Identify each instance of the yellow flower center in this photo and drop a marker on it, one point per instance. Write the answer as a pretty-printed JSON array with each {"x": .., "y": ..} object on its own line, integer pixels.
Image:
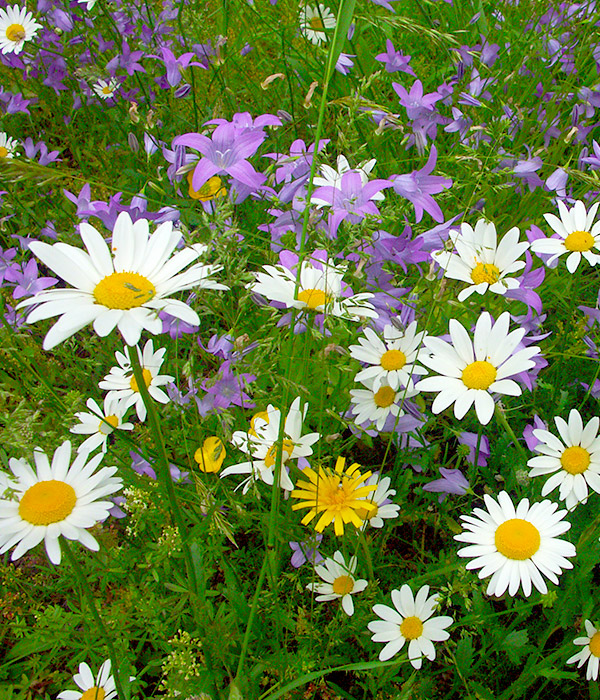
[
  {"x": 107, "y": 90},
  {"x": 3, "y": 152},
  {"x": 579, "y": 241},
  {"x": 113, "y": 422},
  {"x": 575, "y": 460},
  {"x": 411, "y": 628},
  {"x": 210, "y": 456},
  {"x": 271, "y": 456},
  {"x": 316, "y": 23},
  {"x": 124, "y": 290},
  {"x": 314, "y": 298},
  {"x": 209, "y": 190},
  {"x": 47, "y": 502},
  {"x": 595, "y": 644},
  {"x": 146, "y": 374},
  {"x": 517, "y": 539},
  {"x": 485, "y": 272},
  {"x": 479, "y": 375},
  {"x": 384, "y": 397},
  {"x": 93, "y": 693},
  {"x": 343, "y": 585},
  {"x": 15, "y": 32},
  {"x": 392, "y": 359}
]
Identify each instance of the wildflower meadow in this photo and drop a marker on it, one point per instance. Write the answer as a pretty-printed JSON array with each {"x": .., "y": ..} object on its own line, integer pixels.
[{"x": 299, "y": 339}]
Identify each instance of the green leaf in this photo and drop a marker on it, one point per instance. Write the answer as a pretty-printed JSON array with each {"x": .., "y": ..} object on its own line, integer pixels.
[
  {"x": 464, "y": 656},
  {"x": 344, "y": 20}
]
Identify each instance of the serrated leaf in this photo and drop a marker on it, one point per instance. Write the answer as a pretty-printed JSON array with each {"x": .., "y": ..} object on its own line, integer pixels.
[{"x": 464, "y": 655}]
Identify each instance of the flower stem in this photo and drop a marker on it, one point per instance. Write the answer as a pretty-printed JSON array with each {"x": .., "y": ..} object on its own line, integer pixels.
[
  {"x": 201, "y": 613},
  {"x": 87, "y": 593},
  {"x": 501, "y": 416}
]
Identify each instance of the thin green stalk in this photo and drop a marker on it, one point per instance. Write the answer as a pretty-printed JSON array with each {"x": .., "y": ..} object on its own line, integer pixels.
[
  {"x": 165, "y": 477},
  {"x": 163, "y": 471},
  {"x": 501, "y": 416},
  {"x": 81, "y": 579},
  {"x": 253, "y": 609}
]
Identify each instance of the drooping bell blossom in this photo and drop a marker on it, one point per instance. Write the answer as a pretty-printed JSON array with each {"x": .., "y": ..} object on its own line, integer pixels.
[
  {"x": 395, "y": 60},
  {"x": 351, "y": 200},
  {"x": 26, "y": 279},
  {"x": 175, "y": 65},
  {"x": 452, "y": 481},
  {"x": 418, "y": 187},
  {"x": 470, "y": 440},
  {"x": 225, "y": 152}
]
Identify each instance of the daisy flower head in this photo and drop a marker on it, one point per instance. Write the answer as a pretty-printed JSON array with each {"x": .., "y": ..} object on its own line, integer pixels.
[
  {"x": 262, "y": 444},
  {"x": 480, "y": 261},
  {"x": 410, "y": 620},
  {"x": 321, "y": 289},
  {"x": 339, "y": 581},
  {"x": 376, "y": 407},
  {"x": 99, "y": 687},
  {"x": 100, "y": 423},
  {"x": 106, "y": 89},
  {"x": 313, "y": 21},
  {"x": 124, "y": 286},
  {"x": 589, "y": 653},
  {"x": 470, "y": 371},
  {"x": 336, "y": 495},
  {"x": 122, "y": 386},
  {"x": 392, "y": 358},
  {"x": 380, "y": 498},
  {"x": 55, "y": 499},
  {"x": 574, "y": 462},
  {"x": 16, "y": 27},
  {"x": 516, "y": 545},
  {"x": 8, "y": 145},
  {"x": 577, "y": 235}
]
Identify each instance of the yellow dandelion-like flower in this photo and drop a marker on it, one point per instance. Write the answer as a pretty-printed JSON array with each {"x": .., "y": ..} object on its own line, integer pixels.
[{"x": 334, "y": 494}]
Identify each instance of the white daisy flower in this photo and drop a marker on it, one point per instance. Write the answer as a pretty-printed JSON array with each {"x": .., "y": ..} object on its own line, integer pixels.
[
  {"x": 321, "y": 289},
  {"x": 380, "y": 498},
  {"x": 392, "y": 359},
  {"x": 410, "y": 621},
  {"x": 480, "y": 261},
  {"x": 575, "y": 462},
  {"x": 56, "y": 499},
  {"x": 261, "y": 442},
  {"x": 121, "y": 384},
  {"x": 99, "y": 424},
  {"x": 589, "y": 653},
  {"x": 8, "y": 145},
  {"x": 578, "y": 235},
  {"x": 516, "y": 545},
  {"x": 313, "y": 21},
  {"x": 105, "y": 89},
  {"x": 16, "y": 27},
  {"x": 102, "y": 687},
  {"x": 124, "y": 286},
  {"x": 370, "y": 406},
  {"x": 470, "y": 371},
  {"x": 339, "y": 581}
]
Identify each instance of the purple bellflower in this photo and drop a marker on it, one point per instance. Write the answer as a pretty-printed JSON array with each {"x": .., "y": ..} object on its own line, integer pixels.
[
  {"x": 175, "y": 65},
  {"x": 452, "y": 481},
  {"x": 225, "y": 152},
  {"x": 416, "y": 103},
  {"x": 418, "y": 187},
  {"x": 306, "y": 551},
  {"x": 352, "y": 199},
  {"x": 26, "y": 279},
  {"x": 395, "y": 60}
]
